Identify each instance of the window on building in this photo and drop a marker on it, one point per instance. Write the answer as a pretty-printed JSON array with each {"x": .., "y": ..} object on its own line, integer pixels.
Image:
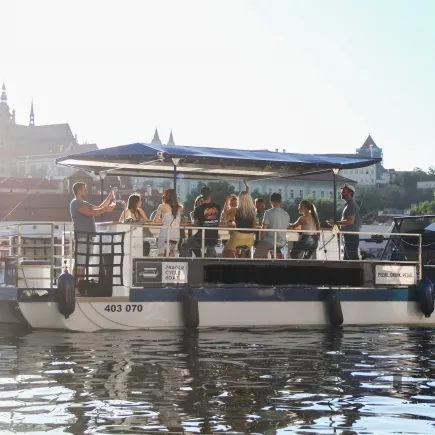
[
  {"x": 331, "y": 195},
  {"x": 301, "y": 194},
  {"x": 313, "y": 194},
  {"x": 292, "y": 194},
  {"x": 280, "y": 191},
  {"x": 322, "y": 194}
]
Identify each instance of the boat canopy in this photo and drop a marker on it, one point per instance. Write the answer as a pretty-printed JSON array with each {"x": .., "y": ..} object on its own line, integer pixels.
[{"x": 205, "y": 163}]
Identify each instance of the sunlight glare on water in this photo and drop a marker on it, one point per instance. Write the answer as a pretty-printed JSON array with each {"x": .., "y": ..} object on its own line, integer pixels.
[{"x": 263, "y": 381}]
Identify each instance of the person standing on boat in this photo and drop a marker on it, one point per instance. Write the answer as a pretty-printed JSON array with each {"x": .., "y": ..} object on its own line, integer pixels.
[
  {"x": 83, "y": 217},
  {"x": 169, "y": 215},
  {"x": 274, "y": 219},
  {"x": 350, "y": 221},
  {"x": 205, "y": 215}
]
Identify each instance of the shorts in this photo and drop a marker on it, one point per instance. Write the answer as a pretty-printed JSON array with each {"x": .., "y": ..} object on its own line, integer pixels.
[{"x": 240, "y": 239}]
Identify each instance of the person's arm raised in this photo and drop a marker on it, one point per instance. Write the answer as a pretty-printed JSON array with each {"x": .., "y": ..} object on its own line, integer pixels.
[
  {"x": 106, "y": 202},
  {"x": 92, "y": 211}
]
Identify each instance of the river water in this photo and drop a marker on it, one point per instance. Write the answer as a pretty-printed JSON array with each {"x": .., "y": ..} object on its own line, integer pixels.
[{"x": 266, "y": 381}]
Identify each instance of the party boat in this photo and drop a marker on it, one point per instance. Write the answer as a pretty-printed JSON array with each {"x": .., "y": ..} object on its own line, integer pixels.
[{"x": 122, "y": 289}]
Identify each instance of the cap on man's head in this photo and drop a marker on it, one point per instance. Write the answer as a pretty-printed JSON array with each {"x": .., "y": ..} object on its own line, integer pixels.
[{"x": 348, "y": 186}]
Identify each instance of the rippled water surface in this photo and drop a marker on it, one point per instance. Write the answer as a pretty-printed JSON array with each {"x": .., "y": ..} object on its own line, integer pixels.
[{"x": 301, "y": 381}]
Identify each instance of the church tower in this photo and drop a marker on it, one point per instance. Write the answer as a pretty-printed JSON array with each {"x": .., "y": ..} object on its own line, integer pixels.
[
  {"x": 32, "y": 116},
  {"x": 171, "y": 139},
  {"x": 5, "y": 114},
  {"x": 156, "y": 139}
]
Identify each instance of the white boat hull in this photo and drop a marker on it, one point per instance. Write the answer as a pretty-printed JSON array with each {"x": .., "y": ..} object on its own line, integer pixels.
[{"x": 90, "y": 316}]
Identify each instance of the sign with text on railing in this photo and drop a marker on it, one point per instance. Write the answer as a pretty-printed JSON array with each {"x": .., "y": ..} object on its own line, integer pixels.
[
  {"x": 395, "y": 274},
  {"x": 165, "y": 272}
]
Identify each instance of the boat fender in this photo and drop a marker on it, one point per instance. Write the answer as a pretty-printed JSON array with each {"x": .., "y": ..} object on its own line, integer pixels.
[
  {"x": 66, "y": 294},
  {"x": 426, "y": 296},
  {"x": 333, "y": 309},
  {"x": 190, "y": 309}
]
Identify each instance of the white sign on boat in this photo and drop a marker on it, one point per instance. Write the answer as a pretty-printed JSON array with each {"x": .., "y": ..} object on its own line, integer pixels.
[
  {"x": 395, "y": 274},
  {"x": 174, "y": 272}
]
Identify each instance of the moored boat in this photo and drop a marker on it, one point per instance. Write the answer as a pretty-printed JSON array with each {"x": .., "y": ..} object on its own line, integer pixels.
[{"x": 122, "y": 289}]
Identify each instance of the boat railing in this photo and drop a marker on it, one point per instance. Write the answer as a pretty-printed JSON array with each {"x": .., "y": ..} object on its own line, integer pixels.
[
  {"x": 327, "y": 238},
  {"x": 33, "y": 254},
  {"x": 41, "y": 250}
]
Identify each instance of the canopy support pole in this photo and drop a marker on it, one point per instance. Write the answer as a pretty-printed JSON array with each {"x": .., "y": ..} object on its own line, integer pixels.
[
  {"x": 102, "y": 177},
  {"x": 334, "y": 178},
  {"x": 175, "y": 162}
]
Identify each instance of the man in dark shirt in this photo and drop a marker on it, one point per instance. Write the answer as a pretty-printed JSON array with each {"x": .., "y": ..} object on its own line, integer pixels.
[
  {"x": 205, "y": 215},
  {"x": 350, "y": 221}
]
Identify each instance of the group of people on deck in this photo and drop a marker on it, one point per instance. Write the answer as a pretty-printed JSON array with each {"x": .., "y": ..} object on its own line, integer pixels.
[{"x": 240, "y": 212}]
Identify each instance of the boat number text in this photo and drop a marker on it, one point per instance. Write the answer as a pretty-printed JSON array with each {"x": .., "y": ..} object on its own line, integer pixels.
[{"x": 119, "y": 308}]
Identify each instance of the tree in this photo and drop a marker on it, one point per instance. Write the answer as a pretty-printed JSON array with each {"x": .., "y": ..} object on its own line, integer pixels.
[
  {"x": 424, "y": 208},
  {"x": 219, "y": 192}
]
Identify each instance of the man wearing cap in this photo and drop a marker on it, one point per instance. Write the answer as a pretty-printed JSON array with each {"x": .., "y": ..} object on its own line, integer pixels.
[{"x": 350, "y": 221}]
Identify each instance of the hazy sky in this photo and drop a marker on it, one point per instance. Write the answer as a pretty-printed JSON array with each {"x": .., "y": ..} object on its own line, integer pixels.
[{"x": 304, "y": 75}]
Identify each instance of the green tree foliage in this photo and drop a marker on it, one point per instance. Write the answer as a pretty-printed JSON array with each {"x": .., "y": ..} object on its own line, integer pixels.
[
  {"x": 424, "y": 208},
  {"x": 219, "y": 192}
]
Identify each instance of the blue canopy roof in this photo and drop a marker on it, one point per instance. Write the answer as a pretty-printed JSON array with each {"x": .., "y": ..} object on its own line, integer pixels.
[{"x": 140, "y": 159}]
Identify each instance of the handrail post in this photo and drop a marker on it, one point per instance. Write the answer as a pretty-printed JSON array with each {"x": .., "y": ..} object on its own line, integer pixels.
[
  {"x": 274, "y": 244},
  {"x": 202, "y": 243},
  {"x": 339, "y": 245},
  {"x": 420, "y": 256},
  {"x": 71, "y": 247},
  {"x": 168, "y": 246},
  {"x": 19, "y": 241},
  {"x": 52, "y": 255}
]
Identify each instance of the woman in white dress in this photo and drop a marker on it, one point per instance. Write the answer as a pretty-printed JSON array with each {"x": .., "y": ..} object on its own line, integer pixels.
[{"x": 169, "y": 215}]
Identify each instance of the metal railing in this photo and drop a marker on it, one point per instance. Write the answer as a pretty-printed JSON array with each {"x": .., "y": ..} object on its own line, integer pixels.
[
  {"x": 59, "y": 249},
  {"x": 40, "y": 249},
  {"x": 325, "y": 238}
]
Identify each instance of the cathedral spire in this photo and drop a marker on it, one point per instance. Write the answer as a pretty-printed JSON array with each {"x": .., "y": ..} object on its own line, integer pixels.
[
  {"x": 156, "y": 139},
  {"x": 32, "y": 115},
  {"x": 4, "y": 97},
  {"x": 171, "y": 139}
]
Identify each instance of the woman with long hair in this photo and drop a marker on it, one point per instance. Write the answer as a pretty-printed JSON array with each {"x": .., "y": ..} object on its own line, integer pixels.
[
  {"x": 169, "y": 216},
  {"x": 308, "y": 221},
  {"x": 245, "y": 217},
  {"x": 133, "y": 211}
]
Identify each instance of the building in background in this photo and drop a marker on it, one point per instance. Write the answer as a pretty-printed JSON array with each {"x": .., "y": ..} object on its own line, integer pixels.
[
  {"x": 31, "y": 150},
  {"x": 375, "y": 175}
]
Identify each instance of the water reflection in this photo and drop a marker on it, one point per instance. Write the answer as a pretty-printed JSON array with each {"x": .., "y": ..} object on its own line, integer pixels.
[{"x": 302, "y": 381}]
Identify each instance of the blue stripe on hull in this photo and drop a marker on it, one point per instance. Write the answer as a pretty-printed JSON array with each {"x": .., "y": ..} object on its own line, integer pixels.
[{"x": 273, "y": 294}]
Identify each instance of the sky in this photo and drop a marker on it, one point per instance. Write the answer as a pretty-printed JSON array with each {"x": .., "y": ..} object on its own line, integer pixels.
[{"x": 310, "y": 76}]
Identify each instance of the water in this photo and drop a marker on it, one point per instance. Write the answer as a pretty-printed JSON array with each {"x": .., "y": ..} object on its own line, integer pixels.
[{"x": 287, "y": 381}]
